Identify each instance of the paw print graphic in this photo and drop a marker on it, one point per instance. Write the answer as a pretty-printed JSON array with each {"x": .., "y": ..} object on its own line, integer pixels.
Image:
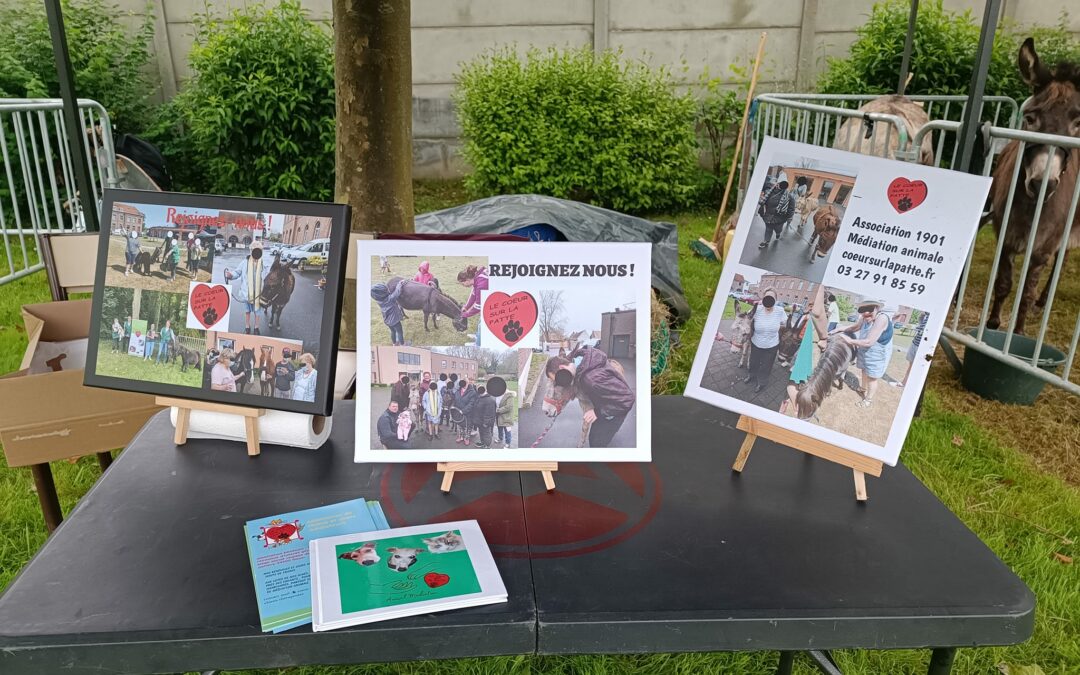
[
  {"x": 904, "y": 204},
  {"x": 209, "y": 316},
  {"x": 512, "y": 330}
]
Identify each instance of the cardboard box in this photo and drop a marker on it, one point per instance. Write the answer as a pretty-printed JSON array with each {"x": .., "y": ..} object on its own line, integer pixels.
[{"x": 52, "y": 415}]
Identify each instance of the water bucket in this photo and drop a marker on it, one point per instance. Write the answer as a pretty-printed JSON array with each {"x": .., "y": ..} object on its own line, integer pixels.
[{"x": 999, "y": 381}]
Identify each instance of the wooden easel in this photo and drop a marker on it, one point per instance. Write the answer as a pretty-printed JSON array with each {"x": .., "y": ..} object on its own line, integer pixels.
[
  {"x": 448, "y": 469},
  {"x": 859, "y": 464},
  {"x": 183, "y": 418}
]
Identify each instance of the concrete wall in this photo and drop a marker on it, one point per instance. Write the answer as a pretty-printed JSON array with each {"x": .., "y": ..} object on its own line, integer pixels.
[{"x": 699, "y": 34}]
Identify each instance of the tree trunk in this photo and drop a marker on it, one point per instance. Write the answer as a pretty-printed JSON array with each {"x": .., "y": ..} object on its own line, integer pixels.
[{"x": 373, "y": 158}]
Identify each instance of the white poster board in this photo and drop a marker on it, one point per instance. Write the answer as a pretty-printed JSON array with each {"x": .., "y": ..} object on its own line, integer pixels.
[
  {"x": 578, "y": 311},
  {"x": 868, "y": 232}
]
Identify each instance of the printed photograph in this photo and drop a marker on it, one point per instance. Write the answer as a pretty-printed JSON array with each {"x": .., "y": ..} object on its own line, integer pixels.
[
  {"x": 403, "y": 570},
  {"x": 155, "y": 248},
  {"x": 242, "y": 363},
  {"x": 432, "y": 301},
  {"x": 798, "y": 216},
  {"x": 826, "y": 355},
  {"x": 142, "y": 337},
  {"x": 275, "y": 268},
  {"x": 584, "y": 380},
  {"x": 446, "y": 397}
]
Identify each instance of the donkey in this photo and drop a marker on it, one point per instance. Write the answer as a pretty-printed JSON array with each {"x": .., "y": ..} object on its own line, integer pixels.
[
  {"x": 872, "y": 141},
  {"x": 1054, "y": 108},
  {"x": 277, "y": 288},
  {"x": 828, "y": 373},
  {"x": 789, "y": 341},
  {"x": 189, "y": 358},
  {"x": 740, "y": 335},
  {"x": 430, "y": 300},
  {"x": 826, "y": 227}
]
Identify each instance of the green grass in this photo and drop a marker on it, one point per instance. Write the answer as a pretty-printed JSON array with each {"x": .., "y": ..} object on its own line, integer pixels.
[
  {"x": 1024, "y": 514},
  {"x": 135, "y": 368}
]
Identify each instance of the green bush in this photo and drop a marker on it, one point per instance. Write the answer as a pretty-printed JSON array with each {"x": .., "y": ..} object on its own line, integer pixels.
[
  {"x": 257, "y": 117},
  {"x": 943, "y": 53},
  {"x": 719, "y": 114},
  {"x": 576, "y": 125},
  {"x": 110, "y": 63}
]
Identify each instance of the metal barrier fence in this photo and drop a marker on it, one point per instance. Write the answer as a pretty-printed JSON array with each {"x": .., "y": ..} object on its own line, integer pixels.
[
  {"x": 37, "y": 187},
  {"x": 816, "y": 118}
]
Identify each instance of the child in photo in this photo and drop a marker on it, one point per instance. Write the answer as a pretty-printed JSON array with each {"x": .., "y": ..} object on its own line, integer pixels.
[
  {"x": 484, "y": 414},
  {"x": 304, "y": 379},
  {"x": 384, "y": 264},
  {"x": 221, "y": 377},
  {"x": 250, "y": 276},
  {"x": 432, "y": 410},
  {"x": 414, "y": 402},
  {"x": 466, "y": 400},
  {"x": 424, "y": 276},
  {"x": 447, "y": 393},
  {"x": 476, "y": 279},
  {"x": 392, "y": 313},
  {"x": 404, "y": 425},
  {"x": 505, "y": 412}
]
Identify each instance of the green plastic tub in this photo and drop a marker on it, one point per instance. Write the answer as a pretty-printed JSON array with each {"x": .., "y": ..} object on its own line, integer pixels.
[{"x": 999, "y": 381}]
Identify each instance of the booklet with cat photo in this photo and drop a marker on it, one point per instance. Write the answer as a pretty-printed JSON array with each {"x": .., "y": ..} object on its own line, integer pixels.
[
  {"x": 363, "y": 578},
  {"x": 278, "y": 550}
]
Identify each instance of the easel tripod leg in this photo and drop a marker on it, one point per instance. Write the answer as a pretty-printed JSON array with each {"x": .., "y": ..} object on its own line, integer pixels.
[
  {"x": 549, "y": 480},
  {"x": 744, "y": 452},
  {"x": 860, "y": 485},
  {"x": 251, "y": 426},
  {"x": 183, "y": 419},
  {"x": 447, "y": 480}
]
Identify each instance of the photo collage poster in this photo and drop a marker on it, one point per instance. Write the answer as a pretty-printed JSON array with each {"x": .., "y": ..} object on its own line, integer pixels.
[
  {"x": 834, "y": 293},
  {"x": 493, "y": 351},
  {"x": 224, "y": 301}
]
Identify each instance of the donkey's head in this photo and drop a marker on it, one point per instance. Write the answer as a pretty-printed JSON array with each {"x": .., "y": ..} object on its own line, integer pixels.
[{"x": 1054, "y": 108}]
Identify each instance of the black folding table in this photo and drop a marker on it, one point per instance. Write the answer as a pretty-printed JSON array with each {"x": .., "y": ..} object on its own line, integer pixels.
[{"x": 149, "y": 573}]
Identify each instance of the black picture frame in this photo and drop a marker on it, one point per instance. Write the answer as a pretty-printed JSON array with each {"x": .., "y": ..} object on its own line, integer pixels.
[{"x": 326, "y": 362}]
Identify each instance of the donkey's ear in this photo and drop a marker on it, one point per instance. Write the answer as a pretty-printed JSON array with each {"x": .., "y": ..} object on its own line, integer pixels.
[{"x": 1032, "y": 71}]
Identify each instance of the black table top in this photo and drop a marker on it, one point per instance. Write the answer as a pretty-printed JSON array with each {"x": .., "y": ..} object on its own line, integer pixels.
[{"x": 150, "y": 573}]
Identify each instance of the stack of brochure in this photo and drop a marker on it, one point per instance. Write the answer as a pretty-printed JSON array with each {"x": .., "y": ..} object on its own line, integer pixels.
[
  {"x": 362, "y": 578},
  {"x": 278, "y": 551}
]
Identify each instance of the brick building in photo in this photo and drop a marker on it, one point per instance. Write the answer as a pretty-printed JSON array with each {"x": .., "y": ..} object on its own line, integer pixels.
[
  {"x": 829, "y": 187},
  {"x": 302, "y": 229},
  {"x": 389, "y": 363},
  {"x": 789, "y": 290},
  {"x": 445, "y": 363},
  {"x": 126, "y": 218}
]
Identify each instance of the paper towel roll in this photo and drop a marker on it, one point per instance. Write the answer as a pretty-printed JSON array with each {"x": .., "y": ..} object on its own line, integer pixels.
[{"x": 275, "y": 427}]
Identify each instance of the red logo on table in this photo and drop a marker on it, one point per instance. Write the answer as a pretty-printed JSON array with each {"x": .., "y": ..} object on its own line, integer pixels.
[
  {"x": 279, "y": 533},
  {"x": 209, "y": 303},
  {"x": 593, "y": 507},
  {"x": 510, "y": 317},
  {"x": 904, "y": 194}
]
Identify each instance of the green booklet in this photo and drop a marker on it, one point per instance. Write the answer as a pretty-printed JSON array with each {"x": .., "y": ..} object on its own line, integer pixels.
[{"x": 362, "y": 578}]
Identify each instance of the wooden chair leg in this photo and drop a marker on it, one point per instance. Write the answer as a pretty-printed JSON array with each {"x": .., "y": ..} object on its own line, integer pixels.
[{"x": 46, "y": 491}]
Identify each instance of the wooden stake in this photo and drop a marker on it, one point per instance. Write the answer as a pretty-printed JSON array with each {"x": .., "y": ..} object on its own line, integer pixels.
[
  {"x": 183, "y": 419},
  {"x": 859, "y": 464},
  {"x": 449, "y": 468},
  {"x": 739, "y": 140}
]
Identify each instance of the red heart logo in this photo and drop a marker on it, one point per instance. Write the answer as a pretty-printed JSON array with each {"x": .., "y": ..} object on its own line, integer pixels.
[
  {"x": 510, "y": 317},
  {"x": 904, "y": 194},
  {"x": 209, "y": 304},
  {"x": 436, "y": 579},
  {"x": 279, "y": 532}
]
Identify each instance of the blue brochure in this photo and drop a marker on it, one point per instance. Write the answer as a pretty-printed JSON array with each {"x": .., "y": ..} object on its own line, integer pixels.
[{"x": 278, "y": 551}]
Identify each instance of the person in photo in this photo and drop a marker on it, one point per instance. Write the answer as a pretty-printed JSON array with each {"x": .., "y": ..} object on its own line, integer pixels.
[
  {"x": 117, "y": 335},
  {"x": 484, "y": 412},
  {"x": 766, "y": 320},
  {"x": 250, "y": 279},
  {"x": 284, "y": 375},
  {"x": 127, "y": 333},
  {"x": 776, "y": 211},
  {"x": 387, "y": 428},
  {"x": 506, "y": 411},
  {"x": 600, "y": 387},
  {"x": 151, "y": 342},
  {"x": 221, "y": 376},
  {"x": 424, "y": 275},
  {"x": 392, "y": 313},
  {"x": 414, "y": 403},
  {"x": 304, "y": 379},
  {"x": 913, "y": 348},
  {"x": 166, "y": 339},
  {"x": 432, "y": 410},
  {"x": 447, "y": 399},
  {"x": 834, "y": 313},
  {"x": 399, "y": 392},
  {"x": 384, "y": 264},
  {"x": 813, "y": 326},
  {"x": 872, "y": 337},
  {"x": 466, "y": 403},
  {"x": 425, "y": 380},
  {"x": 131, "y": 251},
  {"x": 404, "y": 425},
  {"x": 441, "y": 384},
  {"x": 476, "y": 279}
]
